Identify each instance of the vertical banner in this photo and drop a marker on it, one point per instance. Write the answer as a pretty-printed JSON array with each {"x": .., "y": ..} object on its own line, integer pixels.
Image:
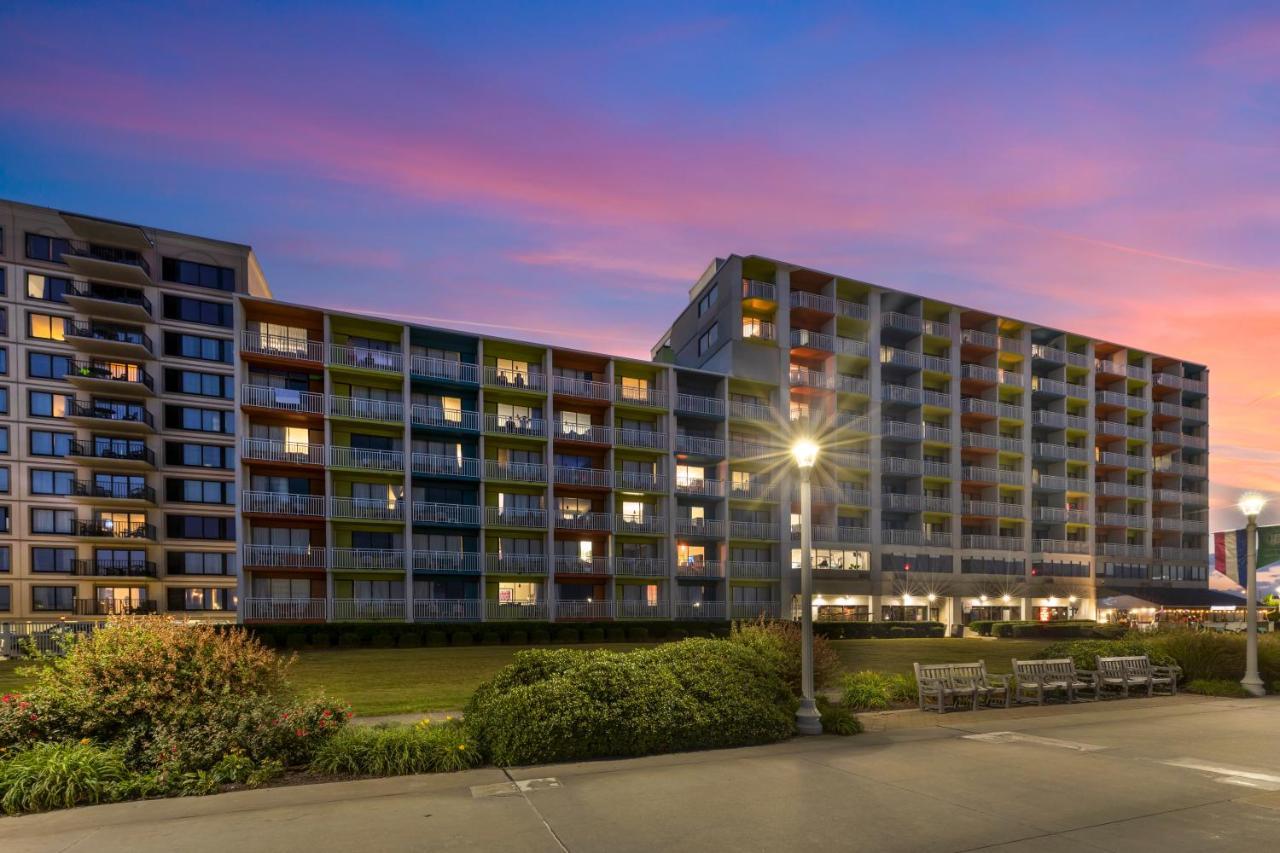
[{"x": 1268, "y": 545}]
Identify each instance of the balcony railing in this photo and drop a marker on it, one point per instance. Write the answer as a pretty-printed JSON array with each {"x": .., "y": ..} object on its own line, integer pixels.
[
  {"x": 514, "y": 611},
  {"x": 516, "y": 564},
  {"x": 515, "y": 517},
  {"x": 366, "y": 509},
  {"x": 127, "y": 375},
  {"x": 286, "y": 609},
  {"x": 750, "y": 411},
  {"x": 447, "y": 562},
  {"x": 572, "y": 565},
  {"x": 115, "y": 451},
  {"x": 275, "y": 450},
  {"x": 851, "y": 346},
  {"x": 699, "y": 609},
  {"x": 752, "y": 289},
  {"x": 427, "y": 512},
  {"x": 584, "y": 609},
  {"x": 282, "y": 399},
  {"x": 512, "y": 425},
  {"x": 642, "y": 438},
  {"x": 443, "y": 368},
  {"x": 447, "y": 609},
  {"x": 282, "y": 503},
  {"x": 366, "y": 409},
  {"x": 699, "y": 486},
  {"x": 366, "y": 460},
  {"x": 110, "y": 334},
  {"x": 370, "y": 559},
  {"x": 589, "y": 389},
  {"x": 975, "y": 405},
  {"x": 992, "y": 543},
  {"x": 113, "y": 490},
  {"x": 1121, "y": 549},
  {"x": 808, "y": 377},
  {"x": 437, "y": 416},
  {"x": 110, "y": 412},
  {"x": 752, "y": 529},
  {"x": 639, "y": 396},
  {"x": 591, "y": 477},
  {"x": 593, "y": 433},
  {"x": 366, "y": 609},
  {"x": 754, "y": 569},
  {"x": 285, "y": 556},
  {"x": 280, "y": 346},
  {"x": 631, "y": 523},
  {"x": 115, "y": 568},
  {"x": 1059, "y": 546},
  {"x": 700, "y": 569},
  {"x": 708, "y": 527},
  {"x": 812, "y": 301},
  {"x": 894, "y": 320},
  {"x": 852, "y": 310},
  {"x": 977, "y": 337},
  {"x": 804, "y": 338},
  {"x": 107, "y": 528},
  {"x": 112, "y": 607},
  {"x": 635, "y": 609},
  {"x": 519, "y": 472},
  {"x": 366, "y": 358},
  {"x": 110, "y": 254},
  {"x": 438, "y": 464},
  {"x": 900, "y": 357},
  {"x": 599, "y": 521},
  {"x": 700, "y": 405},
  {"x": 699, "y": 445},
  {"x": 522, "y": 380},
  {"x": 640, "y": 481},
  {"x": 642, "y": 567}
]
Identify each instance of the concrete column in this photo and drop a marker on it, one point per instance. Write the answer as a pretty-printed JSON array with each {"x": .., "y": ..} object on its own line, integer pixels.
[
  {"x": 328, "y": 473},
  {"x": 407, "y": 449}
]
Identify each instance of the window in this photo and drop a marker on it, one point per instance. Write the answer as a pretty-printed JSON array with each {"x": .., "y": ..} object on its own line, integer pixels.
[
  {"x": 44, "y": 442},
  {"x": 47, "y": 365},
  {"x": 53, "y": 521},
  {"x": 197, "y": 311},
  {"x": 47, "y": 288},
  {"x": 195, "y": 382},
  {"x": 708, "y": 299},
  {"x": 6, "y": 561},
  {"x": 45, "y": 481},
  {"x": 709, "y": 339},
  {"x": 754, "y": 327},
  {"x": 198, "y": 346},
  {"x": 53, "y": 560},
  {"x": 4, "y": 361},
  {"x": 201, "y": 598},
  {"x": 6, "y": 524},
  {"x": 199, "y": 563},
  {"x": 4, "y": 399},
  {"x": 197, "y": 274},
  {"x": 200, "y": 527},
  {"x": 43, "y": 404},
  {"x": 6, "y": 599},
  {"x": 4, "y": 439},
  {"x": 46, "y": 327},
  {"x": 199, "y": 420},
  {"x": 52, "y": 597},
  {"x": 51, "y": 249},
  {"x": 193, "y": 455},
  {"x": 202, "y": 491}
]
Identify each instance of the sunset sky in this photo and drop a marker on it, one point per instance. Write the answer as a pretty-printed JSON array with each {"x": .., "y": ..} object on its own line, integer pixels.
[{"x": 563, "y": 172}]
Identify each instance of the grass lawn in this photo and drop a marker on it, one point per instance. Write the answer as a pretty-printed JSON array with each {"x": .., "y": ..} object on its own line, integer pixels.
[{"x": 401, "y": 681}]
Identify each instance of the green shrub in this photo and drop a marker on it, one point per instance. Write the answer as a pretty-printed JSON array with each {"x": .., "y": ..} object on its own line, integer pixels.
[
  {"x": 876, "y": 691},
  {"x": 982, "y": 626},
  {"x": 295, "y": 641},
  {"x": 410, "y": 640},
  {"x": 397, "y": 750},
  {"x": 637, "y": 634},
  {"x": 936, "y": 631},
  {"x": 491, "y": 638},
  {"x": 593, "y": 635},
  {"x": 616, "y": 634},
  {"x": 518, "y": 638},
  {"x": 568, "y": 705},
  {"x": 837, "y": 720},
  {"x": 437, "y": 638},
  {"x": 898, "y": 632},
  {"x": 319, "y": 640},
  {"x": 348, "y": 640},
  {"x": 868, "y": 630},
  {"x": 59, "y": 776},
  {"x": 1217, "y": 687},
  {"x": 567, "y": 635},
  {"x": 1084, "y": 652},
  {"x": 677, "y": 634},
  {"x": 778, "y": 643},
  {"x": 540, "y": 637},
  {"x": 382, "y": 640},
  {"x": 462, "y": 638}
]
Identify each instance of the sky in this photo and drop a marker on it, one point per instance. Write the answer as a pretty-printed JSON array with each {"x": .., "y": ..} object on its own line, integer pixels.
[{"x": 563, "y": 172}]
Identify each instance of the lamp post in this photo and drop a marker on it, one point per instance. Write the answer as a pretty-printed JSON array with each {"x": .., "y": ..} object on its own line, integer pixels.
[
  {"x": 1251, "y": 505},
  {"x": 808, "y": 721}
]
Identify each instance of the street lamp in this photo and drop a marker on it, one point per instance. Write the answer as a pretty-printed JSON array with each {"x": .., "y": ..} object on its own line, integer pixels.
[
  {"x": 1251, "y": 504},
  {"x": 808, "y": 721}
]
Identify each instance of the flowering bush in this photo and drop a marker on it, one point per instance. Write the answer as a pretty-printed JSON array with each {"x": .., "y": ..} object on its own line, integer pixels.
[{"x": 778, "y": 643}]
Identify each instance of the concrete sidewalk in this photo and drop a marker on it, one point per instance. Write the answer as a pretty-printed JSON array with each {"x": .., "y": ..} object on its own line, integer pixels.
[{"x": 1165, "y": 775}]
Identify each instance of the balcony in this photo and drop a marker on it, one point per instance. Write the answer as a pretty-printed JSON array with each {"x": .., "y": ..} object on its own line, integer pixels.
[
  {"x": 901, "y": 467},
  {"x": 699, "y": 609},
  {"x": 586, "y": 433},
  {"x": 94, "y": 260},
  {"x": 515, "y": 472},
  {"x": 750, "y": 411},
  {"x": 900, "y": 358},
  {"x": 367, "y": 559},
  {"x": 366, "y": 509},
  {"x": 1059, "y": 546},
  {"x": 816, "y": 341},
  {"x": 1169, "y": 380},
  {"x": 115, "y": 454},
  {"x": 366, "y": 358},
  {"x": 447, "y": 514},
  {"x": 855, "y": 459},
  {"x": 758, "y": 330},
  {"x": 281, "y": 347},
  {"x": 1120, "y": 519},
  {"x": 1121, "y": 549},
  {"x": 132, "y": 417},
  {"x": 447, "y": 609},
  {"x": 980, "y": 373},
  {"x": 111, "y": 341},
  {"x": 524, "y": 427},
  {"x": 106, "y": 528},
  {"x": 640, "y": 481},
  {"x": 894, "y": 320},
  {"x": 584, "y": 609},
  {"x": 1043, "y": 450},
  {"x": 113, "y": 607},
  {"x": 515, "y": 611},
  {"x": 448, "y": 370},
  {"x": 806, "y": 301},
  {"x": 763, "y": 530},
  {"x": 281, "y": 399},
  {"x": 979, "y": 542},
  {"x": 699, "y": 569},
  {"x": 935, "y": 363},
  {"x": 754, "y": 570},
  {"x": 991, "y": 509},
  {"x": 697, "y": 445},
  {"x": 446, "y": 562},
  {"x": 286, "y": 609},
  {"x": 978, "y": 338},
  {"x": 706, "y": 528},
  {"x": 637, "y": 609},
  {"x": 852, "y": 310},
  {"x": 847, "y": 384},
  {"x": 805, "y": 377},
  {"x": 895, "y": 502},
  {"x": 851, "y": 346},
  {"x": 525, "y": 518},
  {"x": 936, "y": 399},
  {"x": 442, "y": 418},
  {"x": 976, "y": 406},
  {"x": 122, "y": 494},
  {"x": 851, "y": 534},
  {"x": 853, "y": 421},
  {"x": 853, "y": 497},
  {"x": 631, "y": 523},
  {"x": 110, "y": 568},
  {"x": 696, "y": 404},
  {"x": 574, "y": 565},
  {"x": 440, "y": 465},
  {"x": 700, "y": 487},
  {"x": 594, "y": 478},
  {"x": 754, "y": 489},
  {"x": 902, "y": 430},
  {"x": 284, "y": 556},
  {"x": 763, "y": 290},
  {"x": 980, "y": 474},
  {"x": 1010, "y": 377},
  {"x": 1198, "y": 555},
  {"x": 641, "y": 567},
  {"x": 900, "y": 394},
  {"x": 516, "y": 380},
  {"x": 366, "y": 609},
  {"x": 111, "y": 379},
  {"x": 116, "y": 303},
  {"x": 366, "y": 409},
  {"x": 516, "y": 564},
  {"x": 281, "y": 452},
  {"x": 586, "y": 389},
  {"x": 361, "y": 459},
  {"x": 631, "y": 395},
  {"x": 640, "y": 438}
]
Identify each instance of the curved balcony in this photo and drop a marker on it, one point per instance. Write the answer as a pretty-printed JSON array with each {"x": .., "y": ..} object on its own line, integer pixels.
[
  {"x": 113, "y": 341},
  {"x": 116, "y": 303}
]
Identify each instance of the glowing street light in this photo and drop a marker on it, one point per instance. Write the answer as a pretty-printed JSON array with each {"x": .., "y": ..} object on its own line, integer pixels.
[
  {"x": 808, "y": 721},
  {"x": 1251, "y": 504}
]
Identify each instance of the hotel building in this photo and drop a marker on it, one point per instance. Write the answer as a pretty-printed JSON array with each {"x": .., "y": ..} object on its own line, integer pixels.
[
  {"x": 291, "y": 463},
  {"x": 117, "y": 413}
]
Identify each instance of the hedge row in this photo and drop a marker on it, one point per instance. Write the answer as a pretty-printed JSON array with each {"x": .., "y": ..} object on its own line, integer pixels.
[
  {"x": 878, "y": 630},
  {"x": 1063, "y": 628},
  {"x": 404, "y": 635}
]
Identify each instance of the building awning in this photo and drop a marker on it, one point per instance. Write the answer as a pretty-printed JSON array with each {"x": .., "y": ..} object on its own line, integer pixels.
[{"x": 1120, "y": 598}]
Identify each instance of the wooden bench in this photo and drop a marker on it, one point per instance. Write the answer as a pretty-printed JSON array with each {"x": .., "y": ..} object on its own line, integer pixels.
[
  {"x": 1128, "y": 671},
  {"x": 1033, "y": 679},
  {"x": 943, "y": 682}
]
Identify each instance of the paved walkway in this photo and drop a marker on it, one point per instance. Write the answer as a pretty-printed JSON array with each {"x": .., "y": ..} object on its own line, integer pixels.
[{"x": 1191, "y": 774}]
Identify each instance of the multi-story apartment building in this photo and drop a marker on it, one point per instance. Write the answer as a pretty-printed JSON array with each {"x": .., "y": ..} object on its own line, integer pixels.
[
  {"x": 976, "y": 465},
  {"x": 174, "y": 440},
  {"x": 117, "y": 480}
]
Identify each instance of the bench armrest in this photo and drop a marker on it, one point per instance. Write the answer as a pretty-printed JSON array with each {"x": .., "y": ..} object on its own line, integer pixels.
[
  {"x": 1002, "y": 680},
  {"x": 1171, "y": 671},
  {"x": 929, "y": 684}
]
